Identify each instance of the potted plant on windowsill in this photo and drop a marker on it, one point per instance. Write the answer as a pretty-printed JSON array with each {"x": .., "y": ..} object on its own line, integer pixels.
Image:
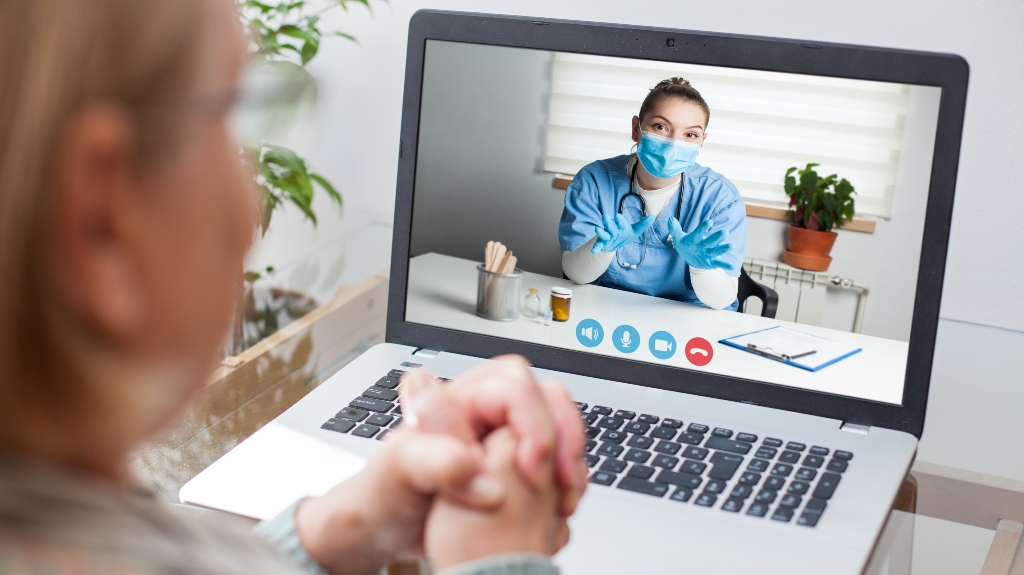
[{"x": 816, "y": 207}]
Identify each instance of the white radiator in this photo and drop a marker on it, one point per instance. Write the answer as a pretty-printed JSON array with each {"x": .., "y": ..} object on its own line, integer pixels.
[{"x": 801, "y": 293}]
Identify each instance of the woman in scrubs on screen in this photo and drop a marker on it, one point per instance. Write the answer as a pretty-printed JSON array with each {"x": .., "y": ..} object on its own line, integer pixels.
[{"x": 656, "y": 222}]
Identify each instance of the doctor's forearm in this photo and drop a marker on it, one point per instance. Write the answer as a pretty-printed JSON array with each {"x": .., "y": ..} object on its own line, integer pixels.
[
  {"x": 715, "y": 288},
  {"x": 582, "y": 266}
]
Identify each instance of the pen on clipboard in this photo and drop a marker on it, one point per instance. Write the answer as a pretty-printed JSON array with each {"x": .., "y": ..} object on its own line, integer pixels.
[{"x": 767, "y": 352}]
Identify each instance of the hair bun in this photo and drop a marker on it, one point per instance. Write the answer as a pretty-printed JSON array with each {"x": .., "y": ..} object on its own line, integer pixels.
[{"x": 675, "y": 81}]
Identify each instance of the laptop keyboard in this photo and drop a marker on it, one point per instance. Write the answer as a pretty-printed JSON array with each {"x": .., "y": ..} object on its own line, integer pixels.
[{"x": 646, "y": 454}]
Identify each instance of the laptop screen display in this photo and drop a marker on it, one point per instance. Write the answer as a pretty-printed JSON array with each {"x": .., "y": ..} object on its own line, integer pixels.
[{"x": 760, "y": 225}]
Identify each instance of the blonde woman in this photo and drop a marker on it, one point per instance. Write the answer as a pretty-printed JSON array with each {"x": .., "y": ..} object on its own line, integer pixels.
[{"x": 124, "y": 218}]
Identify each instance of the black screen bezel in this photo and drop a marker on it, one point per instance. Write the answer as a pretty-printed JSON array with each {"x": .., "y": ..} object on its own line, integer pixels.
[{"x": 946, "y": 71}]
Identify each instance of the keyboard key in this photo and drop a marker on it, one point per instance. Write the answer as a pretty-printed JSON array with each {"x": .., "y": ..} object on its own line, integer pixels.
[
  {"x": 662, "y": 432},
  {"x": 383, "y": 434},
  {"x": 339, "y": 425},
  {"x": 673, "y": 423},
  {"x": 602, "y": 478},
  {"x": 581, "y": 406},
  {"x": 808, "y": 519},
  {"x": 783, "y": 514},
  {"x": 697, "y": 428},
  {"x": 727, "y": 445},
  {"x": 690, "y": 437},
  {"x": 592, "y": 432},
  {"x": 638, "y": 427},
  {"x": 818, "y": 450},
  {"x": 366, "y": 430},
  {"x": 826, "y": 485},
  {"x": 749, "y": 478},
  {"x": 395, "y": 373},
  {"x": 837, "y": 465},
  {"x": 694, "y": 467},
  {"x": 796, "y": 446},
  {"x": 687, "y": 480},
  {"x": 758, "y": 509},
  {"x": 641, "y": 471},
  {"x": 613, "y": 436},
  {"x": 815, "y": 506},
  {"x": 590, "y": 418},
  {"x": 637, "y": 455},
  {"x": 722, "y": 432},
  {"x": 845, "y": 455},
  {"x": 715, "y": 486},
  {"x": 381, "y": 393},
  {"x": 681, "y": 494},
  {"x": 789, "y": 457},
  {"x": 706, "y": 499},
  {"x": 380, "y": 420},
  {"x": 774, "y": 483},
  {"x": 695, "y": 452},
  {"x": 748, "y": 437},
  {"x": 668, "y": 447},
  {"x": 652, "y": 419},
  {"x": 814, "y": 461},
  {"x": 666, "y": 461},
  {"x": 601, "y": 410},
  {"x": 610, "y": 450},
  {"x": 799, "y": 488},
  {"x": 782, "y": 469},
  {"x": 804, "y": 474},
  {"x": 613, "y": 466},
  {"x": 765, "y": 496},
  {"x": 591, "y": 459},
  {"x": 741, "y": 491},
  {"x": 765, "y": 452},
  {"x": 377, "y": 405},
  {"x": 625, "y": 414},
  {"x": 758, "y": 465},
  {"x": 790, "y": 500},
  {"x": 772, "y": 442},
  {"x": 589, "y": 445},
  {"x": 732, "y": 504},
  {"x": 610, "y": 422},
  {"x": 396, "y": 422},
  {"x": 641, "y": 486},
  {"x": 387, "y": 382},
  {"x": 640, "y": 441},
  {"x": 352, "y": 414},
  {"x": 724, "y": 465}
]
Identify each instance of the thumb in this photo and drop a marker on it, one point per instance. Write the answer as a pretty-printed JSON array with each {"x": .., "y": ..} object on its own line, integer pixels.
[
  {"x": 674, "y": 228},
  {"x": 430, "y": 465},
  {"x": 644, "y": 225},
  {"x": 428, "y": 406}
]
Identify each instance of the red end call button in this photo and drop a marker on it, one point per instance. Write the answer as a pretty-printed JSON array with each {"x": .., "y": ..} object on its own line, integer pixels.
[{"x": 699, "y": 351}]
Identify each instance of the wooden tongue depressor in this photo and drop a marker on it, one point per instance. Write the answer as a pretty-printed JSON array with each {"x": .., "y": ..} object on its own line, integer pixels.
[
  {"x": 504, "y": 263},
  {"x": 499, "y": 258},
  {"x": 487, "y": 255},
  {"x": 511, "y": 264}
]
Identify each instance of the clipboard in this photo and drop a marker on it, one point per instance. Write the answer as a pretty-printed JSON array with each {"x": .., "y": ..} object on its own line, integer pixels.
[{"x": 792, "y": 347}]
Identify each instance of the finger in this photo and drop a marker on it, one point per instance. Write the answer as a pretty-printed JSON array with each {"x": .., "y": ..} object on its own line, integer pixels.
[
  {"x": 703, "y": 228},
  {"x": 431, "y": 407},
  {"x": 675, "y": 228},
  {"x": 622, "y": 223},
  {"x": 609, "y": 225},
  {"x": 603, "y": 234},
  {"x": 720, "y": 249},
  {"x": 504, "y": 393},
  {"x": 721, "y": 264},
  {"x": 571, "y": 497},
  {"x": 644, "y": 225},
  {"x": 431, "y": 464},
  {"x": 716, "y": 238},
  {"x": 569, "y": 446}
]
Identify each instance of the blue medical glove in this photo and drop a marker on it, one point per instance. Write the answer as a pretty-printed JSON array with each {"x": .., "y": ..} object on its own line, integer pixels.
[
  {"x": 618, "y": 232},
  {"x": 698, "y": 249}
]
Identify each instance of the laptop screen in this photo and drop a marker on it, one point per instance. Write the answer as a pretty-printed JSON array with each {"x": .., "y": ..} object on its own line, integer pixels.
[{"x": 759, "y": 225}]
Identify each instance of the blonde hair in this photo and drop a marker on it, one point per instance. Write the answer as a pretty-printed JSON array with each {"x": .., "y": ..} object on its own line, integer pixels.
[{"x": 57, "y": 56}]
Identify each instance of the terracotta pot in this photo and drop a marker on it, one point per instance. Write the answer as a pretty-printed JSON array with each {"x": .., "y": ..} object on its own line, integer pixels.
[
  {"x": 810, "y": 243},
  {"x": 806, "y": 262}
]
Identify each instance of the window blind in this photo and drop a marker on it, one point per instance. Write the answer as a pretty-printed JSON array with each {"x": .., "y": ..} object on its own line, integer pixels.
[{"x": 761, "y": 124}]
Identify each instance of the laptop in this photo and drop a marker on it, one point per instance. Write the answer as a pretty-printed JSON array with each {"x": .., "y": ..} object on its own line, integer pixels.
[{"x": 705, "y": 455}]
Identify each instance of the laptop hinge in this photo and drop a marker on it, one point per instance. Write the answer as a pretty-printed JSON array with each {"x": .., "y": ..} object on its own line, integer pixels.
[
  {"x": 856, "y": 428},
  {"x": 427, "y": 353}
]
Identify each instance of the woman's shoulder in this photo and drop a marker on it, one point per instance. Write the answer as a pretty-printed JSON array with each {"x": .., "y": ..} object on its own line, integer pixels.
[
  {"x": 616, "y": 165},
  {"x": 711, "y": 180}
]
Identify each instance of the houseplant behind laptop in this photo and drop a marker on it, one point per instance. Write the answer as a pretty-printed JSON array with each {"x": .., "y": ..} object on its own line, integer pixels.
[{"x": 817, "y": 206}]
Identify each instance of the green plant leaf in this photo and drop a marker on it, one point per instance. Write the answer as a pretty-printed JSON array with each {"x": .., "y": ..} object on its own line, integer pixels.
[{"x": 327, "y": 187}]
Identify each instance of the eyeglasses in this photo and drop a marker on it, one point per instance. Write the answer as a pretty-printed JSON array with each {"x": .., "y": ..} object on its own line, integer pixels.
[{"x": 276, "y": 102}]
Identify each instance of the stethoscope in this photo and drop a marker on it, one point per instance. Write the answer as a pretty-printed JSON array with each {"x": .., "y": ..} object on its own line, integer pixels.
[{"x": 643, "y": 214}]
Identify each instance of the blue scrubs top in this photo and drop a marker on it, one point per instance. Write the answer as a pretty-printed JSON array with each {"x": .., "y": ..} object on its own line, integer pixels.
[{"x": 597, "y": 189}]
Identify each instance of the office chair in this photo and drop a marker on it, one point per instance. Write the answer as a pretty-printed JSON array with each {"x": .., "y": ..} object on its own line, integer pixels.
[{"x": 750, "y": 288}]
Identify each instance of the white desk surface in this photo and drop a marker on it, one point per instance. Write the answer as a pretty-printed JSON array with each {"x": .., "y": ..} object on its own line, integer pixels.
[{"x": 442, "y": 293}]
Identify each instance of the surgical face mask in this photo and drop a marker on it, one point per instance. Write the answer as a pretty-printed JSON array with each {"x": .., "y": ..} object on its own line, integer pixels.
[{"x": 665, "y": 157}]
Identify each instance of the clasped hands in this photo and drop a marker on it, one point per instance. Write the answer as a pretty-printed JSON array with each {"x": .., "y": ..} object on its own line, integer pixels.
[{"x": 486, "y": 465}]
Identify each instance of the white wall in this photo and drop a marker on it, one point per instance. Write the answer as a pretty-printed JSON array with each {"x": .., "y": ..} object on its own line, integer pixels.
[{"x": 985, "y": 275}]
